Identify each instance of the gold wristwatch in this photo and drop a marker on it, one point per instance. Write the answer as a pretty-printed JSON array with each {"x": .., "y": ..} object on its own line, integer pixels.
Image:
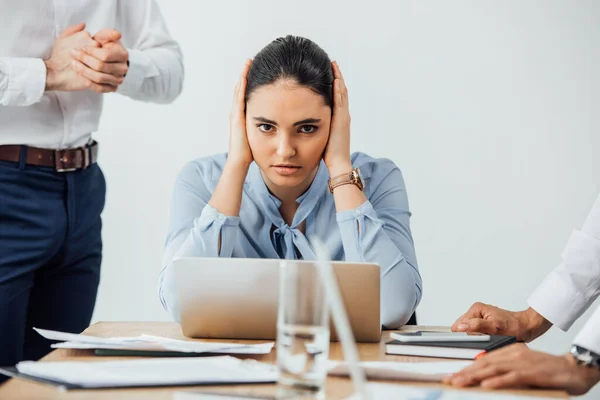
[{"x": 353, "y": 177}]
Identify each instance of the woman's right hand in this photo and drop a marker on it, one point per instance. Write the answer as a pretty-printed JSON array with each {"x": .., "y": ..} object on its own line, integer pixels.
[{"x": 239, "y": 149}]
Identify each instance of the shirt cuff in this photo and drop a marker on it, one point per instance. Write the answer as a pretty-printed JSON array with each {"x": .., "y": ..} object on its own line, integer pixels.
[
  {"x": 140, "y": 68},
  {"x": 557, "y": 300},
  {"x": 210, "y": 215},
  {"x": 26, "y": 81},
  {"x": 365, "y": 208},
  {"x": 572, "y": 287},
  {"x": 589, "y": 336}
]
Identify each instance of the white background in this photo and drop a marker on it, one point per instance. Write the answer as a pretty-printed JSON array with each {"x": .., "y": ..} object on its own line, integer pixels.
[{"x": 490, "y": 108}]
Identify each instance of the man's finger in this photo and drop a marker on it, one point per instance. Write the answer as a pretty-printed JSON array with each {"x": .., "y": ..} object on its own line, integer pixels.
[
  {"x": 511, "y": 379},
  {"x": 515, "y": 351},
  {"x": 118, "y": 69},
  {"x": 112, "y": 54},
  {"x": 473, "y": 377},
  {"x": 475, "y": 311},
  {"x": 479, "y": 325},
  {"x": 95, "y": 76},
  {"x": 107, "y": 35},
  {"x": 94, "y": 87},
  {"x": 459, "y": 325},
  {"x": 72, "y": 29},
  {"x": 504, "y": 359}
]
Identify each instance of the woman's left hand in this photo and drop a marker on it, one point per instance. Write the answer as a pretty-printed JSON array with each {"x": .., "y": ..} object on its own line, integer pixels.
[{"x": 337, "y": 152}]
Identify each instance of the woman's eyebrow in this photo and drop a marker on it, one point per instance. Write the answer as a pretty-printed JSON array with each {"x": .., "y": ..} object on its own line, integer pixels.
[
  {"x": 265, "y": 120},
  {"x": 308, "y": 121}
]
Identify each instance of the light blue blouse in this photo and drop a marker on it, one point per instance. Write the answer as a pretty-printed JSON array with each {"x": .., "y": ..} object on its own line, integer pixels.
[{"x": 384, "y": 236}]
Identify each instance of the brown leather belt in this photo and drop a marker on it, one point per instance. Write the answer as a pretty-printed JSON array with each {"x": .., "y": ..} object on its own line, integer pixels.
[{"x": 65, "y": 160}]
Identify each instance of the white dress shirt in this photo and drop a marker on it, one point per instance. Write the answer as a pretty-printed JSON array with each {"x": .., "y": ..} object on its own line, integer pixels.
[
  {"x": 574, "y": 285},
  {"x": 31, "y": 116}
]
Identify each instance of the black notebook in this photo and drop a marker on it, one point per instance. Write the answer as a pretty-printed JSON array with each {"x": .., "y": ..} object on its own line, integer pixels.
[{"x": 463, "y": 350}]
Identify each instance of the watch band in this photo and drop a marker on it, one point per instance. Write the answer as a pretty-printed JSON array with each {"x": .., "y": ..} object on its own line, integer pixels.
[
  {"x": 585, "y": 357},
  {"x": 352, "y": 177}
]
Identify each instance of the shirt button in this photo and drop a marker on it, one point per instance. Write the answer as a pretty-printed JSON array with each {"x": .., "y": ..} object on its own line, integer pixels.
[{"x": 356, "y": 212}]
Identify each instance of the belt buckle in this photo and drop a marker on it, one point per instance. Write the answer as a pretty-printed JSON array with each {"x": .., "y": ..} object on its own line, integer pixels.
[
  {"x": 58, "y": 160},
  {"x": 87, "y": 156}
]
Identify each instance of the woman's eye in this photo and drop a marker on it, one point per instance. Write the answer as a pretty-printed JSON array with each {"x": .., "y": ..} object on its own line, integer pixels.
[
  {"x": 308, "y": 129},
  {"x": 265, "y": 128}
]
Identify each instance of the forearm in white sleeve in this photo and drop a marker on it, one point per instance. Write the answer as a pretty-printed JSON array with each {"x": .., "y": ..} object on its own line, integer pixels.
[
  {"x": 574, "y": 285},
  {"x": 22, "y": 81},
  {"x": 155, "y": 59}
]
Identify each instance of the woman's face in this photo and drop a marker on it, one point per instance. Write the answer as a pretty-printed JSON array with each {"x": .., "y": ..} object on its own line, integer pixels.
[{"x": 288, "y": 129}]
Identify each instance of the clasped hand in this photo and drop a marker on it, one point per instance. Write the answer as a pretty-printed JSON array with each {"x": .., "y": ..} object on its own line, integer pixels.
[{"x": 80, "y": 61}]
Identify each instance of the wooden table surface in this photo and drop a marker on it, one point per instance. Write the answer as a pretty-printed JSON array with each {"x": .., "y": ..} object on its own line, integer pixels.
[{"x": 337, "y": 387}]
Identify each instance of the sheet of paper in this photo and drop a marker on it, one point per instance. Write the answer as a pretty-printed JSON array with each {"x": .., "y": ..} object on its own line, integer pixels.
[
  {"x": 153, "y": 371},
  {"x": 380, "y": 391},
  {"x": 64, "y": 336},
  {"x": 425, "y": 371},
  {"x": 230, "y": 395},
  {"x": 205, "y": 347},
  {"x": 151, "y": 343}
]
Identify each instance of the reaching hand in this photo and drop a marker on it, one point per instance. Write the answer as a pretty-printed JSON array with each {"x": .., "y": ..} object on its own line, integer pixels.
[
  {"x": 483, "y": 318},
  {"x": 517, "y": 366}
]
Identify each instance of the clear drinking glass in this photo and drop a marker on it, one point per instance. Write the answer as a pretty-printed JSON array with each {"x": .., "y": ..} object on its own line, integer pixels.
[{"x": 302, "y": 328}]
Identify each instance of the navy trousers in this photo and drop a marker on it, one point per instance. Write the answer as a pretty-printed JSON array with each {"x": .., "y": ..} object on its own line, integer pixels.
[{"x": 50, "y": 254}]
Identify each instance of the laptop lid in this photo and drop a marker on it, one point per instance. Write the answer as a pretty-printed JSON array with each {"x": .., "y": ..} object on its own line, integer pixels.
[{"x": 237, "y": 298}]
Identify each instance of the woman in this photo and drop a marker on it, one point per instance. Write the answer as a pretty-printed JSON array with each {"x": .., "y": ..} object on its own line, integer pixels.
[{"x": 289, "y": 134}]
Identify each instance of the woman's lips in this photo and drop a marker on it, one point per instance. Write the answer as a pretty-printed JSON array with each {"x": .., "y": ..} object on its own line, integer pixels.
[{"x": 286, "y": 169}]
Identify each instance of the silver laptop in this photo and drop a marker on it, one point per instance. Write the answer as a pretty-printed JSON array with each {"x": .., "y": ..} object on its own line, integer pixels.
[{"x": 237, "y": 298}]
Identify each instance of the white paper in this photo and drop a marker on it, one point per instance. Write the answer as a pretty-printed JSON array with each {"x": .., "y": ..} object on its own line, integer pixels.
[
  {"x": 224, "y": 395},
  {"x": 425, "y": 371},
  {"x": 151, "y": 343},
  {"x": 391, "y": 391},
  {"x": 56, "y": 335},
  {"x": 153, "y": 371}
]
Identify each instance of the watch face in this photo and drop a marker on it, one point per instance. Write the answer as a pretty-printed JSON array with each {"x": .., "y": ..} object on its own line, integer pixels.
[
  {"x": 360, "y": 177},
  {"x": 585, "y": 357}
]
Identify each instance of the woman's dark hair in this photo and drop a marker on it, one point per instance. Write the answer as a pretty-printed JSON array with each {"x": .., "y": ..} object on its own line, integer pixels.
[{"x": 295, "y": 58}]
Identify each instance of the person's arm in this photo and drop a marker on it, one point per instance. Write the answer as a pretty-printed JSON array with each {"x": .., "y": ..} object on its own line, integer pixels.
[
  {"x": 155, "y": 71},
  {"x": 196, "y": 229},
  {"x": 574, "y": 285},
  {"x": 564, "y": 296},
  {"x": 205, "y": 224},
  {"x": 516, "y": 366},
  {"x": 378, "y": 231},
  {"x": 22, "y": 81},
  {"x": 525, "y": 325}
]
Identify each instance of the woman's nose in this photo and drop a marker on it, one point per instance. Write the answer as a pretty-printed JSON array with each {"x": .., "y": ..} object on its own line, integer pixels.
[{"x": 285, "y": 147}]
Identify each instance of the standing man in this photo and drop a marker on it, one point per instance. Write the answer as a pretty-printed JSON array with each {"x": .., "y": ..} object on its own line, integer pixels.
[{"x": 57, "y": 59}]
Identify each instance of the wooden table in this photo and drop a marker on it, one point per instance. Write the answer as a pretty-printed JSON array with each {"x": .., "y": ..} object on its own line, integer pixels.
[{"x": 337, "y": 388}]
